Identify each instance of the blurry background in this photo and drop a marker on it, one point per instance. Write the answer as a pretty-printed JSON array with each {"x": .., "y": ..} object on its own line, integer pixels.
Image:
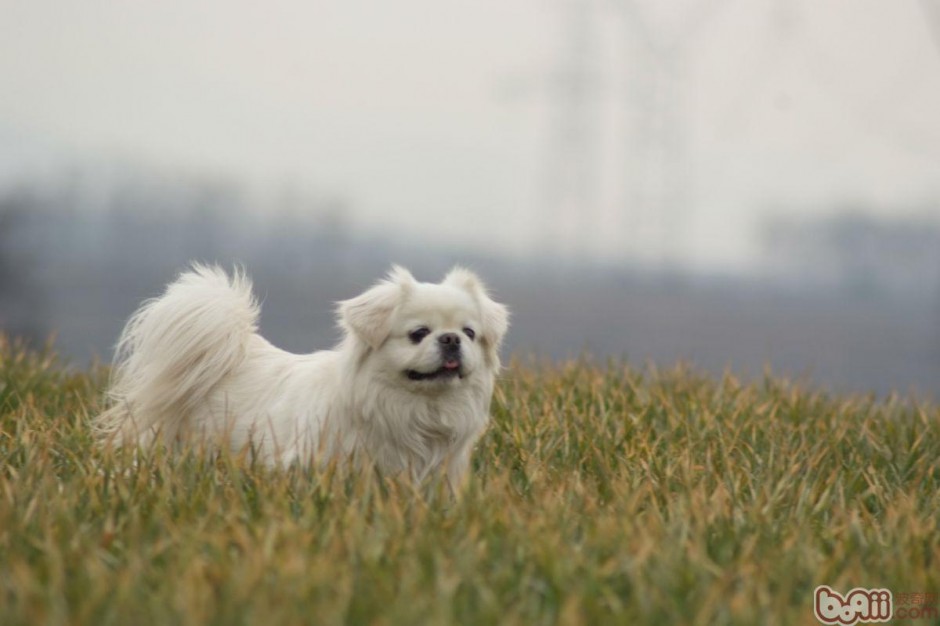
[{"x": 738, "y": 183}]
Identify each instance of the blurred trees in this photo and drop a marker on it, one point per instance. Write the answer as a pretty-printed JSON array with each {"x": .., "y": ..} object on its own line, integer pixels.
[
  {"x": 858, "y": 251},
  {"x": 21, "y": 311},
  {"x": 83, "y": 243}
]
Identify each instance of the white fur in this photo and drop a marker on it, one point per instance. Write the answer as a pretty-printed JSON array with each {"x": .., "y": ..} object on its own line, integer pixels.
[{"x": 190, "y": 364}]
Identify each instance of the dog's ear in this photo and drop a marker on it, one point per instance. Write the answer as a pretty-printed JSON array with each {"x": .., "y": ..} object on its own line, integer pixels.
[
  {"x": 495, "y": 316},
  {"x": 369, "y": 315}
]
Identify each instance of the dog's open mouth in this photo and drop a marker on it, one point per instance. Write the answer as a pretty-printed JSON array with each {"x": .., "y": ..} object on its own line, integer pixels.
[{"x": 449, "y": 369}]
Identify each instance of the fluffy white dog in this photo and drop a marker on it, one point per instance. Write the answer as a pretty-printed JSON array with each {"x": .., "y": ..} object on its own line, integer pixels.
[{"x": 407, "y": 388}]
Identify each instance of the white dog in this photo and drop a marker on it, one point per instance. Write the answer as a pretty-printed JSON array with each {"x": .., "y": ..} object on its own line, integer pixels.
[{"x": 408, "y": 387}]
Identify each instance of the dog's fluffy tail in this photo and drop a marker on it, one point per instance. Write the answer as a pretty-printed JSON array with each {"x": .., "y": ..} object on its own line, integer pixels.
[{"x": 174, "y": 350}]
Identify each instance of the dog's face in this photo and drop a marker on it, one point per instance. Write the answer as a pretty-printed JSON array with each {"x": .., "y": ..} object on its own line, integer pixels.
[{"x": 428, "y": 337}]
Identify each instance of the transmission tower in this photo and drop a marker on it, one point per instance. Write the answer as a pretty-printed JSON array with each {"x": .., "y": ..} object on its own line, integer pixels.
[
  {"x": 655, "y": 187},
  {"x": 569, "y": 196},
  {"x": 658, "y": 180}
]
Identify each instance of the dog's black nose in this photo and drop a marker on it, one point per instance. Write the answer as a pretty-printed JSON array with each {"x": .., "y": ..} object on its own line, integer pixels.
[{"x": 449, "y": 339}]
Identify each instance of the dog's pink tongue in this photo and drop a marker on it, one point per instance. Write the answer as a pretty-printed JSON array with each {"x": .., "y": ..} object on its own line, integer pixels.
[{"x": 451, "y": 364}]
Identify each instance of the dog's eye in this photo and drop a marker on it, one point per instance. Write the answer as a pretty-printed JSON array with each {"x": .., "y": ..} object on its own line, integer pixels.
[
  {"x": 470, "y": 333},
  {"x": 418, "y": 334}
]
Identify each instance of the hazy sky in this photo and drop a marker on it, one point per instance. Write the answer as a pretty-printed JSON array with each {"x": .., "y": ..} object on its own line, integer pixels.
[{"x": 435, "y": 118}]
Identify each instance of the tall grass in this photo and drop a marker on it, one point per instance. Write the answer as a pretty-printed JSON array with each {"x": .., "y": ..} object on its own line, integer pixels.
[{"x": 600, "y": 494}]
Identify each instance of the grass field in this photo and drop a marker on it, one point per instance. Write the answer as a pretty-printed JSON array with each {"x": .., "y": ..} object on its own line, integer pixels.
[{"x": 601, "y": 494}]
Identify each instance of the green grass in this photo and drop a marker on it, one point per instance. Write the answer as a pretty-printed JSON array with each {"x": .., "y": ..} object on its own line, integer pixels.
[{"x": 600, "y": 494}]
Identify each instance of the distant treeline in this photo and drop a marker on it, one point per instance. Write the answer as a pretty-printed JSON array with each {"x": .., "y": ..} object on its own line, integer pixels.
[
  {"x": 852, "y": 299},
  {"x": 84, "y": 244},
  {"x": 853, "y": 250}
]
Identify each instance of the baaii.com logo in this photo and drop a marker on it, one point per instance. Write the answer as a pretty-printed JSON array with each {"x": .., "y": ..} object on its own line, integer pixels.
[
  {"x": 868, "y": 606},
  {"x": 859, "y": 605}
]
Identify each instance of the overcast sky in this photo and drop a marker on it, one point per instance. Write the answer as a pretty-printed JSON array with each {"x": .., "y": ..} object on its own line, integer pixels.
[{"x": 436, "y": 118}]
